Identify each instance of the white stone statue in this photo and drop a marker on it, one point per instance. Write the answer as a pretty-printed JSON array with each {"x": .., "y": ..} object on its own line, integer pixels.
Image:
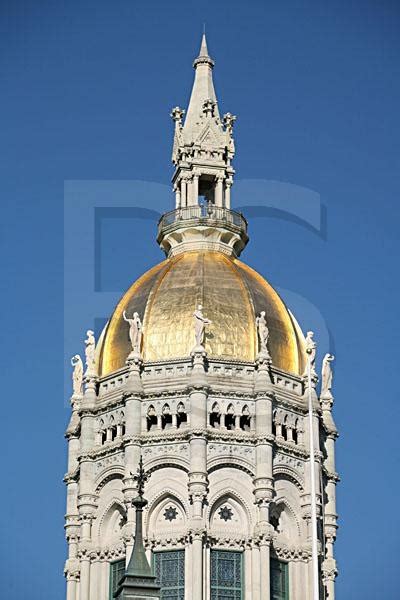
[
  {"x": 311, "y": 350},
  {"x": 326, "y": 376},
  {"x": 90, "y": 353},
  {"x": 135, "y": 331},
  {"x": 263, "y": 332},
  {"x": 200, "y": 323},
  {"x": 77, "y": 375}
]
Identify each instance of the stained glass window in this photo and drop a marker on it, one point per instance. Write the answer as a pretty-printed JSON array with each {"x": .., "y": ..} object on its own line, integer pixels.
[
  {"x": 226, "y": 575},
  {"x": 169, "y": 568},
  {"x": 117, "y": 569},
  {"x": 279, "y": 580}
]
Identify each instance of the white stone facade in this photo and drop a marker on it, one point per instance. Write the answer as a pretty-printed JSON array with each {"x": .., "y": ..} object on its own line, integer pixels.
[
  {"x": 253, "y": 462},
  {"x": 226, "y": 443}
]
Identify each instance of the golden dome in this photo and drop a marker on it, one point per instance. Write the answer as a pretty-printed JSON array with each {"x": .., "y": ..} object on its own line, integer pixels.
[{"x": 232, "y": 294}]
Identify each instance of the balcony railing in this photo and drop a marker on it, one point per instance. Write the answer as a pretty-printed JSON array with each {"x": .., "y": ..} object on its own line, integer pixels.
[{"x": 207, "y": 214}]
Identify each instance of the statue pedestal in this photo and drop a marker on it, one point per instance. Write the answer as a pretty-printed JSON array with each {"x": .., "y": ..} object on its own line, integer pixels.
[
  {"x": 134, "y": 357},
  {"x": 198, "y": 351}
]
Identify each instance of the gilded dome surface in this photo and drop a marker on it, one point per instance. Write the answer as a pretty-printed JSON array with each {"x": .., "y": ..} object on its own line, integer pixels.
[{"x": 232, "y": 294}]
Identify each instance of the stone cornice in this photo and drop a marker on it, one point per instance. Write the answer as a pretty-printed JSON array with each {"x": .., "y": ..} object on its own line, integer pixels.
[
  {"x": 178, "y": 393},
  {"x": 186, "y": 434},
  {"x": 286, "y": 552},
  {"x": 278, "y": 395},
  {"x": 293, "y": 449}
]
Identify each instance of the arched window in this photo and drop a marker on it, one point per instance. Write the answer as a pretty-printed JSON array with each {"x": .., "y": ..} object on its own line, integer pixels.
[
  {"x": 245, "y": 419},
  {"x": 151, "y": 418},
  {"x": 215, "y": 416},
  {"x": 294, "y": 432},
  {"x": 284, "y": 428},
  {"x": 181, "y": 416},
  {"x": 166, "y": 417},
  {"x": 230, "y": 417}
]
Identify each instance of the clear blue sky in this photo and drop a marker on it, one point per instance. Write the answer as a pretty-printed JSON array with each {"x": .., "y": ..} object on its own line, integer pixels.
[{"x": 86, "y": 93}]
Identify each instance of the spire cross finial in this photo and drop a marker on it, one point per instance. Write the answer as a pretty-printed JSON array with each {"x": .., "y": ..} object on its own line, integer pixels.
[{"x": 141, "y": 478}]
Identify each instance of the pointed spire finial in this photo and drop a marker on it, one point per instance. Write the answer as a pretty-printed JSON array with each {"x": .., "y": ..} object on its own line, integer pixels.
[
  {"x": 203, "y": 47},
  {"x": 203, "y": 56}
]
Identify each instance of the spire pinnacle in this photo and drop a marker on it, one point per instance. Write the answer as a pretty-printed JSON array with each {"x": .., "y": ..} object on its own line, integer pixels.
[
  {"x": 202, "y": 154},
  {"x": 203, "y": 46},
  {"x": 203, "y": 57}
]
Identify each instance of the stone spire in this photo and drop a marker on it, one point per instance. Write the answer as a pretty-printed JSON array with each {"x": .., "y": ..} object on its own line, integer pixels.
[
  {"x": 202, "y": 154},
  {"x": 203, "y": 144},
  {"x": 202, "y": 91}
]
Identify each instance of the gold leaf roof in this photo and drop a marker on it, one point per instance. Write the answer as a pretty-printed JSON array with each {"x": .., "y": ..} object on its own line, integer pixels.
[{"x": 232, "y": 294}]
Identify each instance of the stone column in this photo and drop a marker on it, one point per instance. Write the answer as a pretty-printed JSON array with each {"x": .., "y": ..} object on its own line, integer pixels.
[
  {"x": 264, "y": 567},
  {"x": 188, "y": 566},
  {"x": 183, "y": 192},
  {"x": 72, "y": 525},
  {"x": 71, "y": 569},
  {"x": 71, "y": 586},
  {"x": 223, "y": 420},
  {"x": 105, "y": 578},
  {"x": 255, "y": 572},
  {"x": 85, "y": 575},
  {"x": 247, "y": 572},
  {"x": 133, "y": 395},
  {"x": 306, "y": 497},
  {"x": 95, "y": 576},
  {"x": 189, "y": 191},
  {"x": 177, "y": 197},
  {"x": 86, "y": 497},
  {"x": 219, "y": 192},
  {"x": 228, "y": 184},
  {"x": 329, "y": 570},
  {"x": 206, "y": 571},
  {"x": 197, "y": 564},
  {"x": 263, "y": 481},
  {"x": 198, "y": 393},
  {"x": 195, "y": 191}
]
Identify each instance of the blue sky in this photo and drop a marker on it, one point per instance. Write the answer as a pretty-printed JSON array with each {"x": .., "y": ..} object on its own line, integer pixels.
[{"x": 86, "y": 92}]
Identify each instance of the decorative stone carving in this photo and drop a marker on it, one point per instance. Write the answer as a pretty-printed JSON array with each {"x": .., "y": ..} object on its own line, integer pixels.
[
  {"x": 200, "y": 323},
  {"x": 90, "y": 354},
  {"x": 225, "y": 513},
  {"x": 170, "y": 513},
  {"x": 151, "y": 452},
  {"x": 228, "y": 120},
  {"x": 326, "y": 375},
  {"x": 77, "y": 375},
  {"x": 311, "y": 350},
  {"x": 135, "y": 333},
  {"x": 109, "y": 461},
  {"x": 290, "y": 461},
  {"x": 177, "y": 114},
  {"x": 239, "y": 450},
  {"x": 263, "y": 333}
]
